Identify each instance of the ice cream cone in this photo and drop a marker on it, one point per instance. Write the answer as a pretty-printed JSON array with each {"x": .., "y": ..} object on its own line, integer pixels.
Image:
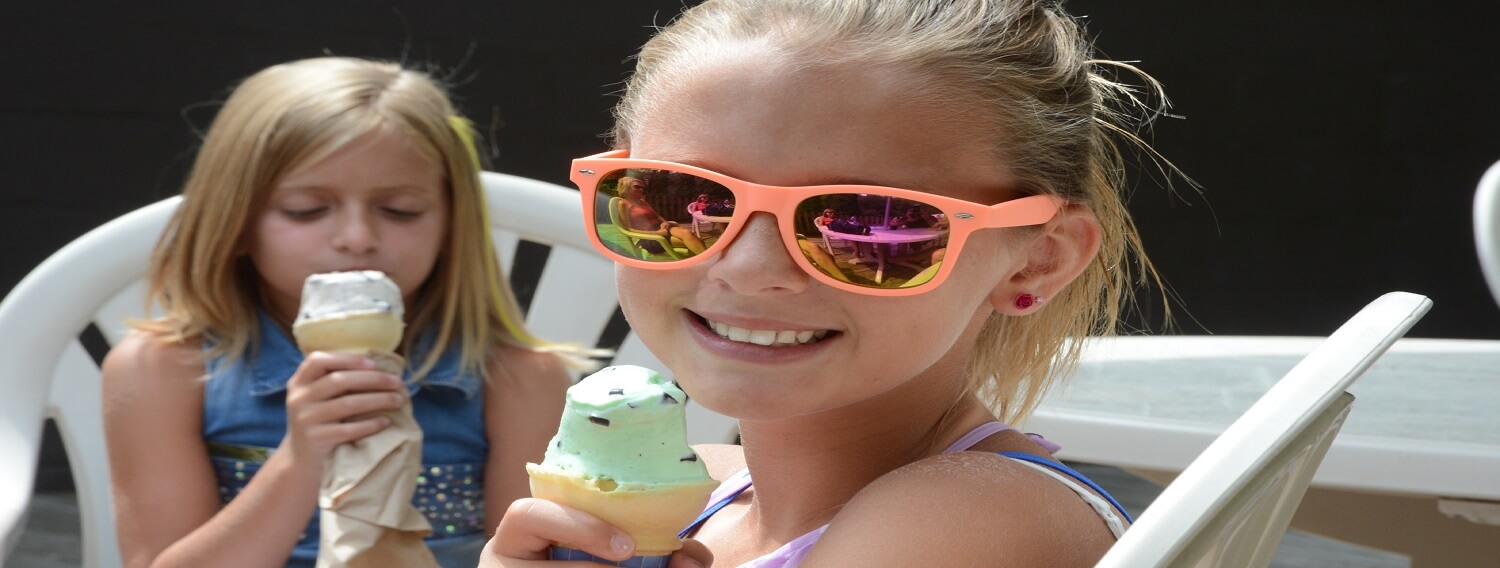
[
  {"x": 365, "y": 499},
  {"x": 621, "y": 453},
  {"x": 359, "y": 332},
  {"x": 651, "y": 515}
]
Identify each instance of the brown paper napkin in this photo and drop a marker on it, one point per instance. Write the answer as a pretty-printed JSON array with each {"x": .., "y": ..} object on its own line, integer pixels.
[{"x": 366, "y": 515}]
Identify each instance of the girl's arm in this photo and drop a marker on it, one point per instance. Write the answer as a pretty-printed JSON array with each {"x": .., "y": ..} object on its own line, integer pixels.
[
  {"x": 523, "y": 400},
  {"x": 161, "y": 479},
  {"x": 166, "y": 496},
  {"x": 964, "y": 509}
]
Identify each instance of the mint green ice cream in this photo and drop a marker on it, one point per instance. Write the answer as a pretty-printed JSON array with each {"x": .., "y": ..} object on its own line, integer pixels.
[{"x": 625, "y": 427}]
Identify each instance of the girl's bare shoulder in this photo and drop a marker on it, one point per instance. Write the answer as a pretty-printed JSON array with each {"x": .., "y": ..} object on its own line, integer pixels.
[
  {"x": 147, "y": 358},
  {"x": 522, "y": 370},
  {"x": 974, "y": 508}
]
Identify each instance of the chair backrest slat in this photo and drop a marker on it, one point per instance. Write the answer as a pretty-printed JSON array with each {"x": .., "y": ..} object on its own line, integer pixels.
[
  {"x": 75, "y": 405},
  {"x": 506, "y": 242},
  {"x": 1487, "y": 227},
  {"x": 574, "y": 298}
]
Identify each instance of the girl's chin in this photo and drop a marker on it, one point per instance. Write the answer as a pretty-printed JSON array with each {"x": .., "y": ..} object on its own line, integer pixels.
[{"x": 755, "y": 395}]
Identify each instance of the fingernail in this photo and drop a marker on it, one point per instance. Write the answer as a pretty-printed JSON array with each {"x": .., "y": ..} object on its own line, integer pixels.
[{"x": 621, "y": 543}]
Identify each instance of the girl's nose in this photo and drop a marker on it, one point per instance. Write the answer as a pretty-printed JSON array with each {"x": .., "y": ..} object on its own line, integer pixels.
[
  {"x": 355, "y": 234},
  {"x": 757, "y": 262}
]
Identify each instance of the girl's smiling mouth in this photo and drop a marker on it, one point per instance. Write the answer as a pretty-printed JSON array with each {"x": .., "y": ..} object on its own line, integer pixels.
[{"x": 775, "y": 338}]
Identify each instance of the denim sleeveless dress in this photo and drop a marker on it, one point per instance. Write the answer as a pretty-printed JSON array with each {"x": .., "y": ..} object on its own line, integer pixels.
[{"x": 244, "y": 419}]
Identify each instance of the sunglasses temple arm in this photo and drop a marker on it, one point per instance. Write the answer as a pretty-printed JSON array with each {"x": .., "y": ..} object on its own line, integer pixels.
[{"x": 1033, "y": 210}]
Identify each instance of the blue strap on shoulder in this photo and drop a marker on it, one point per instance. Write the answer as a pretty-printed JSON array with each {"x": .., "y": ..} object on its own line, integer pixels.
[
  {"x": 709, "y": 512},
  {"x": 1070, "y": 472}
]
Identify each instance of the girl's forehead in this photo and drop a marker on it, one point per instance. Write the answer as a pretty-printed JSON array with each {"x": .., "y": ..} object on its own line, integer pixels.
[
  {"x": 792, "y": 125},
  {"x": 380, "y": 158}
]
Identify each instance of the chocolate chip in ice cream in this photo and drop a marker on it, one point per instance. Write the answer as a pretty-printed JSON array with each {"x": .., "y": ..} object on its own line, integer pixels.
[
  {"x": 617, "y": 392},
  {"x": 666, "y": 398},
  {"x": 688, "y": 458},
  {"x": 600, "y": 420}
]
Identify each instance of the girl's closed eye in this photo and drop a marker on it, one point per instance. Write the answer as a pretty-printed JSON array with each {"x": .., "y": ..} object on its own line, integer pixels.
[
  {"x": 405, "y": 209},
  {"x": 402, "y": 213},
  {"x": 303, "y": 211}
]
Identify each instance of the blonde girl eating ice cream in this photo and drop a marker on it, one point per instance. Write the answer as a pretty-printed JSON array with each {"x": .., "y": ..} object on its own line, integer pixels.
[{"x": 219, "y": 428}]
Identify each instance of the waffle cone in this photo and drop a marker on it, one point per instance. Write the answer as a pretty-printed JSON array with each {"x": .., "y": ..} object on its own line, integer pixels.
[
  {"x": 360, "y": 332},
  {"x": 652, "y": 516}
]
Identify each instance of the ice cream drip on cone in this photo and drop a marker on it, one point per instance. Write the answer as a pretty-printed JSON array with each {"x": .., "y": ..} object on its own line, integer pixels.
[
  {"x": 621, "y": 454},
  {"x": 365, "y": 512}
]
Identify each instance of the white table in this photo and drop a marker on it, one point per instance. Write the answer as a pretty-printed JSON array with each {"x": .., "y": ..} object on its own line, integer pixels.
[
  {"x": 1415, "y": 470},
  {"x": 882, "y": 236}
]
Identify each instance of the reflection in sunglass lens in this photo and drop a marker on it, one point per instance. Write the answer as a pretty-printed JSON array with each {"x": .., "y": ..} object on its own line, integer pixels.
[
  {"x": 660, "y": 215},
  {"x": 872, "y": 240}
]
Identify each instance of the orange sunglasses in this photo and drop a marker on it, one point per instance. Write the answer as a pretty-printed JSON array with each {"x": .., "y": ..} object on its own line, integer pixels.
[{"x": 880, "y": 241}]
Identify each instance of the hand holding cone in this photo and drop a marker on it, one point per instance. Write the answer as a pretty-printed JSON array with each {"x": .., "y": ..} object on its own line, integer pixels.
[
  {"x": 366, "y": 517},
  {"x": 621, "y": 453}
]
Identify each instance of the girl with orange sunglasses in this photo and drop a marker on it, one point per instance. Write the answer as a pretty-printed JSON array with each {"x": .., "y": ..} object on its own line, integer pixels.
[{"x": 872, "y": 393}]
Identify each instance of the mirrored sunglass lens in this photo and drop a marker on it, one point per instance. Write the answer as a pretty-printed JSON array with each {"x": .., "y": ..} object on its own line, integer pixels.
[
  {"x": 660, "y": 215},
  {"x": 872, "y": 240}
]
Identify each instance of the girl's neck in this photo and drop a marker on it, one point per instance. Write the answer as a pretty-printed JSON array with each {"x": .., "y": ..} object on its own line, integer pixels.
[{"x": 806, "y": 468}]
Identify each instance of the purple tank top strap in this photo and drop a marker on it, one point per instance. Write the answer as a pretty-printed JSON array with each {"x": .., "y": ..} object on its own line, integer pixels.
[
  {"x": 736, "y": 484},
  {"x": 990, "y": 429}
]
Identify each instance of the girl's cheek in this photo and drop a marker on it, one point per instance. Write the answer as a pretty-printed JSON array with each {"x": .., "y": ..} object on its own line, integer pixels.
[{"x": 628, "y": 286}]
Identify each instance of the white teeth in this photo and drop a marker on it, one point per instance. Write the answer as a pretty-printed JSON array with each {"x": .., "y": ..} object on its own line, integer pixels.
[
  {"x": 738, "y": 333},
  {"x": 760, "y": 337},
  {"x": 766, "y": 337}
]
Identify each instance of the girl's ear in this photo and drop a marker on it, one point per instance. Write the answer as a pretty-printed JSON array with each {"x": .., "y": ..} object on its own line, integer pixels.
[{"x": 1065, "y": 247}]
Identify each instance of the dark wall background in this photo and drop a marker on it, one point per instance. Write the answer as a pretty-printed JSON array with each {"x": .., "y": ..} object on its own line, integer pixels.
[{"x": 1337, "y": 142}]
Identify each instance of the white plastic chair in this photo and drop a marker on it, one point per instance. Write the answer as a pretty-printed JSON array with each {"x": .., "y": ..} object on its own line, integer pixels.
[
  {"x": 830, "y": 242},
  {"x": 1487, "y": 227},
  {"x": 98, "y": 279},
  {"x": 1232, "y": 504},
  {"x": 699, "y": 223}
]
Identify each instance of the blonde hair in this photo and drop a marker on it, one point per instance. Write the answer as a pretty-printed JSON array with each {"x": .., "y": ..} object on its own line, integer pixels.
[
  {"x": 1030, "y": 67},
  {"x": 291, "y": 116}
]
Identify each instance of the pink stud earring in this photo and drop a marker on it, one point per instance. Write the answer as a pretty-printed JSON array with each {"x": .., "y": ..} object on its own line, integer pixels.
[{"x": 1025, "y": 301}]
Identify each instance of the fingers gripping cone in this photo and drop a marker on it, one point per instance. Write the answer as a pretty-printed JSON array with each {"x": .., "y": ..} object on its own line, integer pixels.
[
  {"x": 621, "y": 453},
  {"x": 365, "y": 513}
]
